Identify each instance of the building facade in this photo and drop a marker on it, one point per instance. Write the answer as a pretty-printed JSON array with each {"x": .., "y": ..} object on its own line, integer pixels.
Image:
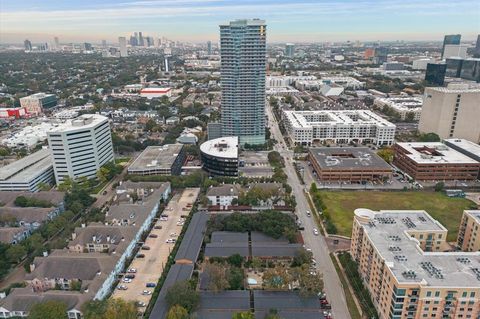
[
  {"x": 468, "y": 234},
  {"x": 28, "y": 173},
  {"x": 122, "y": 42},
  {"x": 434, "y": 161},
  {"x": 403, "y": 262},
  {"x": 35, "y": 103},
  {"x": 339, "y": 127},
  {"x": 451, "y": 112},
  {"x": 435, "y": 73},
  {"x": 450, "y": 39},
  {"x": 220, "y": 156},
  {"x": 243, "y": 69},
  {"x": 80, "y": 147}
]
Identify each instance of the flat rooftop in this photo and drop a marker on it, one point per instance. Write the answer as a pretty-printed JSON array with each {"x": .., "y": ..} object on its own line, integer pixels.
[
  {"x": 27, "y": 167},
  {"x": 465, "y": 146},
  {"x": 224, "y": 147},
  {"x": 475, "y": 214},
  {"x": 390, "y": 231},
  {"x": 84, "y": 121},
  {"x": 335, "y": 158},
  {"x": 435, "y": 153},
  {"x": 156, "y": 157},
  {"x": 305, "y": 119}
]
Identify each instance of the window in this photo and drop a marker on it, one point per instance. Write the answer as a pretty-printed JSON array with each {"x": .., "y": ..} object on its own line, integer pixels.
[
  {"x": 429, "y": 293},
  {"x": 437, "y": 293}
]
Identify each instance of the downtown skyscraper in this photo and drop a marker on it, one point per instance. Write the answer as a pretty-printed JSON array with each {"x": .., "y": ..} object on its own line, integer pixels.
[{"x": 243, "y": 68}]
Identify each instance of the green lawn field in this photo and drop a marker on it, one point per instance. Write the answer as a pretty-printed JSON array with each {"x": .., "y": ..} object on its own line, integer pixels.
[{"x": 448, "y": 211}]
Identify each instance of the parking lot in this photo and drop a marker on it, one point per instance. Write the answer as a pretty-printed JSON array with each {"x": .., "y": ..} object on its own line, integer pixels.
[{"x": 155, "y": 250}]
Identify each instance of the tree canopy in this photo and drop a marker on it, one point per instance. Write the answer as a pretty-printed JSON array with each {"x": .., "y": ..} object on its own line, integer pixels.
[
  {"x": 48, "y": 310},
  {"x": 183, "y": 294}
]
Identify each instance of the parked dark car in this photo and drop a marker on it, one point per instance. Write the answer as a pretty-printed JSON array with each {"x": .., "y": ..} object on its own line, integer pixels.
[{"x": 140, "y": 256}]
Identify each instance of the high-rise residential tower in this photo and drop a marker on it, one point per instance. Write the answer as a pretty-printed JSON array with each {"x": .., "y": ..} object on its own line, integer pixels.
[
  {"x": 289, "y": 49},
  {"x": 28, "y": 45},
  {"x": 209, "y": 47},
  {"x": 57, "y": 43},
  {"x": 243, "y": 67},
  {"x": 451, "y": 39},
  {"x": 122, "y": 41}
]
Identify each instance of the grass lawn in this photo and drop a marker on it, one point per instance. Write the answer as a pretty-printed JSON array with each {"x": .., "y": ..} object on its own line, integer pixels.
[{"x": 448, "y": 211}]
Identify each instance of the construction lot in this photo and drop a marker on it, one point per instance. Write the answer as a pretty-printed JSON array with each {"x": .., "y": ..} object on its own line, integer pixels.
[{"x": 149, "y": 268}]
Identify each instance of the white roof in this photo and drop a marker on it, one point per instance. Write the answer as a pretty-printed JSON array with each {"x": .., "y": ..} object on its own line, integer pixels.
[
  {"x": 466, "y": 145},
  {"x": 85, "y": 121},
  {"x": 225, "y": 147},
  {"x": 435, "y": 152}
]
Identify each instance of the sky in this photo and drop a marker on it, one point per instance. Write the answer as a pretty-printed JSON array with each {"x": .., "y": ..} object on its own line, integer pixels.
[{"x": 198, "y": 20}]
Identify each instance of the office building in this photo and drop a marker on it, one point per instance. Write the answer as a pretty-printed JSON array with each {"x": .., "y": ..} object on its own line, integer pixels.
[
  {"x": 339, "y": 127},
  {"x": 369, "y": 53},
  {"x": 220, "y": 156},
  {"x": 289, "y": 50},
  {"x": 451, "y": 112},
  {"x": 243, "y": 67},
  {"x": 155, "y": 92},
  {"x": 434, "y": 161},
  {"x": 35, "y": 103},
  {"x": 57, "y": 43},
  {"x": 133, "y": 41},
  {"x": 87, "y": 46},
  {"x": 421, "y": 64},
  {"x": 80, "y": 147},
  {"x": 159, "y": 160},
  {"x": 393, "y": 66},
  {"x": 454, "y": 67},
  {"x": 476, "y": 52},
  {"x": 403, "y": 262},
  {"x": 141, "y": 41},
  {"x": 209, "y": 47},
  {"x": 28, "y": 173},
  {"x": 348, "y": 164},
  {"x": 104, "y": 44},
  {"x": 122, "y": 41},
  {"x": 435, "y": 73},
  {"x": 405, "y": 106},
  {"x": 28, "y": 45},
  {"x": 468, "y": 235},
  {"x": 455, "y": 50},
  {"x": 471, "y": 70},
  {"x": 465, "y": 147},
  {"x": 380, "y": 55},
  {"x": 450, "y": 39}
]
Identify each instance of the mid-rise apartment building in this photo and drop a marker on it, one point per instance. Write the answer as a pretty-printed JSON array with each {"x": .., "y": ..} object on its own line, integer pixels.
[
  {"x": 469, "y": 234},
  {"x": 451, "y": 112},
  {"x": 339, "y": 127},
  {"x": 80, "y": 147},
  {"x": 402, "y": 260}
]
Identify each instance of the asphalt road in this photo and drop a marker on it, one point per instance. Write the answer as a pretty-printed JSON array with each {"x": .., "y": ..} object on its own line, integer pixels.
[{"x": 333, "y": 286}]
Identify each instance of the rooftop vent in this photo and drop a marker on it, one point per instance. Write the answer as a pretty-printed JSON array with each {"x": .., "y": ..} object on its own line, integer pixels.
[{"x": 431, "y": 270}]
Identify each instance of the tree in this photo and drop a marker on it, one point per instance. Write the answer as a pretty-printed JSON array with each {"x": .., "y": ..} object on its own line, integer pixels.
[
  {"x": 235, "y": 278},
  {"x": 276, "y": 278},
  {"x": 217, "y": 277},
  {"x": 177, "y": 312},
  {"x": 48, "y": 310},
  {"x": 182, "y": 294},
  {"x": 243, "y": 315},
  {"x": 235, "y": 260},
  {"x": 15, "y": 253},
  {"x": 302, "y": 257},
  {"x": 439, "y": 186},
  {"x": 429, "y": 137},
  {"x": 310, "y": 284},
  {"x": 386, "y": 154},
  {"x": 272, "y": 314},
  {"x": 109, "y": 309}
]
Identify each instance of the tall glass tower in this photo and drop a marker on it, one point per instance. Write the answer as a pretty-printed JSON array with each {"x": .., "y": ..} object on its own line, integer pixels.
[
  {"x": 450, "y": 39},
  {"x": 243, "y": 67}
]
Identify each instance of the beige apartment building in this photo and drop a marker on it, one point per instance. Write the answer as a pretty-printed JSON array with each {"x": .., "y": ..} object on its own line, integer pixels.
[
  {"x": 404, "y": 263},
  {"x": 451, "y": 112},
  {"x": 468, "y": 235}
]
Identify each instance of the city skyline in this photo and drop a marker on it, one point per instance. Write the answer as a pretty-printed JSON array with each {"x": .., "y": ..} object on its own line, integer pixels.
[{"x": 197, "y": 20}]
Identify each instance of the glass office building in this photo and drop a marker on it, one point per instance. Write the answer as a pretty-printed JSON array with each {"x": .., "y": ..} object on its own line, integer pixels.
[
  {"x": 243, "y": 68},
  {"x": 454, "y": 67},
  {"x": 471, "y": 70},
  {"x": 451, "y": 39},
  {"x": 435, "y": 73}
]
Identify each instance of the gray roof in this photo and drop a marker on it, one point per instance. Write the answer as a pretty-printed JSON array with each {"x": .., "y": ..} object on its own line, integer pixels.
[
  {"x": 8, "y": 233},
  {"x": 222, "y": 305},
  {"x": 27, "y": 214},
  {"x": 27, "y": 167},
  {"x": 228, "y": 237},
  {"x": 193, "y": 238},
  {"x": 225, "y": 244},
  {"x": 335, "y": 158},
  {"x": 116, "y": 234},
  {"x": 289, "y": 304},
  {"x": 8, "y": 198},
  {"x": 177, "y": 273},
  {"x": 129, "y": 185},
  {"x": 275, "y": 250},
  {"x": 224, "y": 190},
  {"x": 72, "y": 265},
  {"x": 156, "y": 157}
]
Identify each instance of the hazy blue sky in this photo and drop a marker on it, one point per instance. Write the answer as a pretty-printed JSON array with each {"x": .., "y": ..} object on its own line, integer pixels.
[{"x": 197, "y": 20}]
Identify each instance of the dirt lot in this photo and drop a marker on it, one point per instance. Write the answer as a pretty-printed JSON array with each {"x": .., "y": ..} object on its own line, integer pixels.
[{"x": 149, "y": 268}]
